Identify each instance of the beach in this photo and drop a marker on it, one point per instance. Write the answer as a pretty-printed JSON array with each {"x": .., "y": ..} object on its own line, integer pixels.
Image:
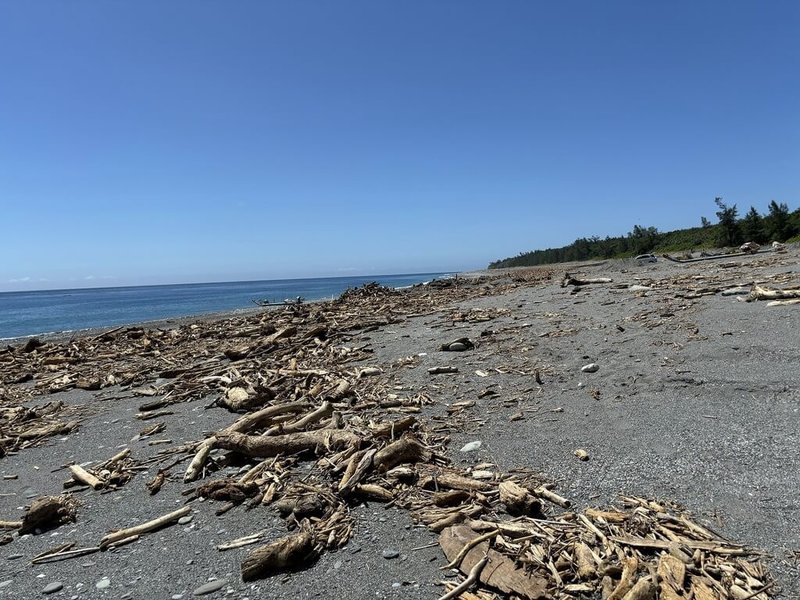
[{"x": 692, "y": 399}]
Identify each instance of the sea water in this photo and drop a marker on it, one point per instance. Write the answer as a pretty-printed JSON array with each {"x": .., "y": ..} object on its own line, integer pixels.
[{"x": 56, "y": 311}]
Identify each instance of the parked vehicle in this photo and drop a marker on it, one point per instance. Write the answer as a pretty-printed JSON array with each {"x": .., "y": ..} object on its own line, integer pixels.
[{"x": 646, "y": 258}]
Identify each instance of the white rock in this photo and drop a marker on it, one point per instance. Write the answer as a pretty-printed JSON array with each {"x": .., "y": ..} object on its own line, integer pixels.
[
  {"x": 590, "y": 368},
  {"x": 472, "y": 446}
]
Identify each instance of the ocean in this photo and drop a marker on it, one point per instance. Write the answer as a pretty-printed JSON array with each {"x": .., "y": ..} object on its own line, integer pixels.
[{"x": 58, "y": 311}]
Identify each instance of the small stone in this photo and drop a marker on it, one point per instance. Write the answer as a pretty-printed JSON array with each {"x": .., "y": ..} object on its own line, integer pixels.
[
  {"x": 337, "y": 565},
  {"x": 14, "y": 556},
  {"x": 52, "y": 588},
  {"x": 390, "y": 553},
  {"x": 210, "y": 587},
  {"x": 590, "y": 368},
  {"x": 581, "y": 454},
  {"x": 185, "y": 520},
  {"x": 177, "y": 596},
  {"x": 103, "y": 583},
  {"x": 472, "y": 446},
  {"x": 397, "y": 584}
]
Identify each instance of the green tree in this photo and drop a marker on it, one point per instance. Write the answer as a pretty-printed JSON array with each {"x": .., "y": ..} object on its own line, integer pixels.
[
  {"x": 643, "y": 238},
  {"x": 778, "y": 223},
  {"x": 753, "y": 227},
  {"x": 704, "y": 223},
  {"x": 729, "y": 231}
]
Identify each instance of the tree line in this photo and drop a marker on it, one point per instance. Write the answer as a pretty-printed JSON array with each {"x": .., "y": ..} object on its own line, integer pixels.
[{"x": 778, "y": 224}]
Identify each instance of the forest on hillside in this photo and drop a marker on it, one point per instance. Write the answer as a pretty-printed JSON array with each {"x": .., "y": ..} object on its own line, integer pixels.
[{"x": 778, "y": 224}]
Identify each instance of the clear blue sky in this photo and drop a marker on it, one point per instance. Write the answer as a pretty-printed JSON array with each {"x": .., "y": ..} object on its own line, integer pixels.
[{"x": 147, "y": 142}]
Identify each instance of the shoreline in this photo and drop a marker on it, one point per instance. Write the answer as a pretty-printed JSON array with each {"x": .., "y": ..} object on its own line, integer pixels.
[{"x": 694, "y": 402}]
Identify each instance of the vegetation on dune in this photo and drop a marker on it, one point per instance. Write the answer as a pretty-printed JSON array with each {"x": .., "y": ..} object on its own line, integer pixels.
[{"x": 779, "y": 224}]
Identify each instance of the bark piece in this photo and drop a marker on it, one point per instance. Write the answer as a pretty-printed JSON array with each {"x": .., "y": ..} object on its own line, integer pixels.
[{"x": 500, "y": 571}]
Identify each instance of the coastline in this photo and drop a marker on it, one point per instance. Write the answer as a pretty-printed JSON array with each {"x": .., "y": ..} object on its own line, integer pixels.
[{"x": 693, "y": 402}]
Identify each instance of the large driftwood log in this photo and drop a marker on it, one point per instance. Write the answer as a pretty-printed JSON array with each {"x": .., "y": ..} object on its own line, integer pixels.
[
  {"x": 292, "y": 443},
  {"x": 289, "y": 552},
  {"x": 761, "y": 293}
]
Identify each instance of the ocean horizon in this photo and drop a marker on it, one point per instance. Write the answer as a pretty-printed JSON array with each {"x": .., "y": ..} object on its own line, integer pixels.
[{"x": 49, "y": 312}]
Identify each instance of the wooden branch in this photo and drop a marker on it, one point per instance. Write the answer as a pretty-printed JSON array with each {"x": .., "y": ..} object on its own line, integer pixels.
[
  {"x": 472, "y": 578},
  {"x": 83, "y": 476},
  {"x": 325, "y": 410},
  {"x": 243, "y": 424},
  {"x": 551, "y": 496},
  {"x": 147, "y": 527},
  {"x": 456, "y": 562}
]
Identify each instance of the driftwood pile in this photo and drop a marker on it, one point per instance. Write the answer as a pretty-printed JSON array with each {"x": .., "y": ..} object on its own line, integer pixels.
[{"x": 297, "y": 397}]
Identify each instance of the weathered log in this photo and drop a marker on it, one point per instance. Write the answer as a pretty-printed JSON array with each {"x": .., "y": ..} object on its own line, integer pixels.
[
  {"x": 292, "y": 443},
  {"x": 373, "y": 491},
  {"x": 289, "y": 552},
  {"x": 450, "y": 498},
  {"x": 451, "y": 481},
  {"x": 519, "y": 501},
  {"x": 244, "y": 423},
  {"x": 405, "y": 450},
  {"x": 123, "y": 534}
]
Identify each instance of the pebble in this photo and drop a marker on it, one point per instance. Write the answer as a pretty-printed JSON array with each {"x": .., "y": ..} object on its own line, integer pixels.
[
  {"x": 590, "y": 368},
  {"x": 390, "y": 553},
  {"x": 210, "y": 587},
  {"x": 177, "y": 596},
  {"x": 472, "y": 446},
  {"x": 103, "y": 583},
  {"x": 14, "y": 556},
  {"x": 52, "y": 588},
  {"x": 185, "y": 520},
  {"x": 337, "y": 565}
]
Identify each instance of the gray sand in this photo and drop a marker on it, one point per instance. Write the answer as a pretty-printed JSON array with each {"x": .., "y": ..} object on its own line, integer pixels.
[{"x": 696, "y": 401}]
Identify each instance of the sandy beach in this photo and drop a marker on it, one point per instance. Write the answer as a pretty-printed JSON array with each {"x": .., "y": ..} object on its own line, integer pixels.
[{"x": 694, "y": 400}]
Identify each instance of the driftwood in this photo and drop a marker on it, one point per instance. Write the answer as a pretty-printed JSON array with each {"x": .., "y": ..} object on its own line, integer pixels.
[
  {"x": 570, "y": 280},
  {"x": 286, "y": 553},
  {"x": 120, "y": 535},
  {"x": 405, "y": 450},
  {"x": 501, "y": 572},
  {"x": 293, "y": 443},
  {"x": 761, "y": 293},
  {"x": 48, "y": 512},
  {"x": 518, "y": 500}
]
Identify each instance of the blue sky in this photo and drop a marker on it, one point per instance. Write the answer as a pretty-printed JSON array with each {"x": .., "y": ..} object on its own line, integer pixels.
[{"x": 155, "y": 142}]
